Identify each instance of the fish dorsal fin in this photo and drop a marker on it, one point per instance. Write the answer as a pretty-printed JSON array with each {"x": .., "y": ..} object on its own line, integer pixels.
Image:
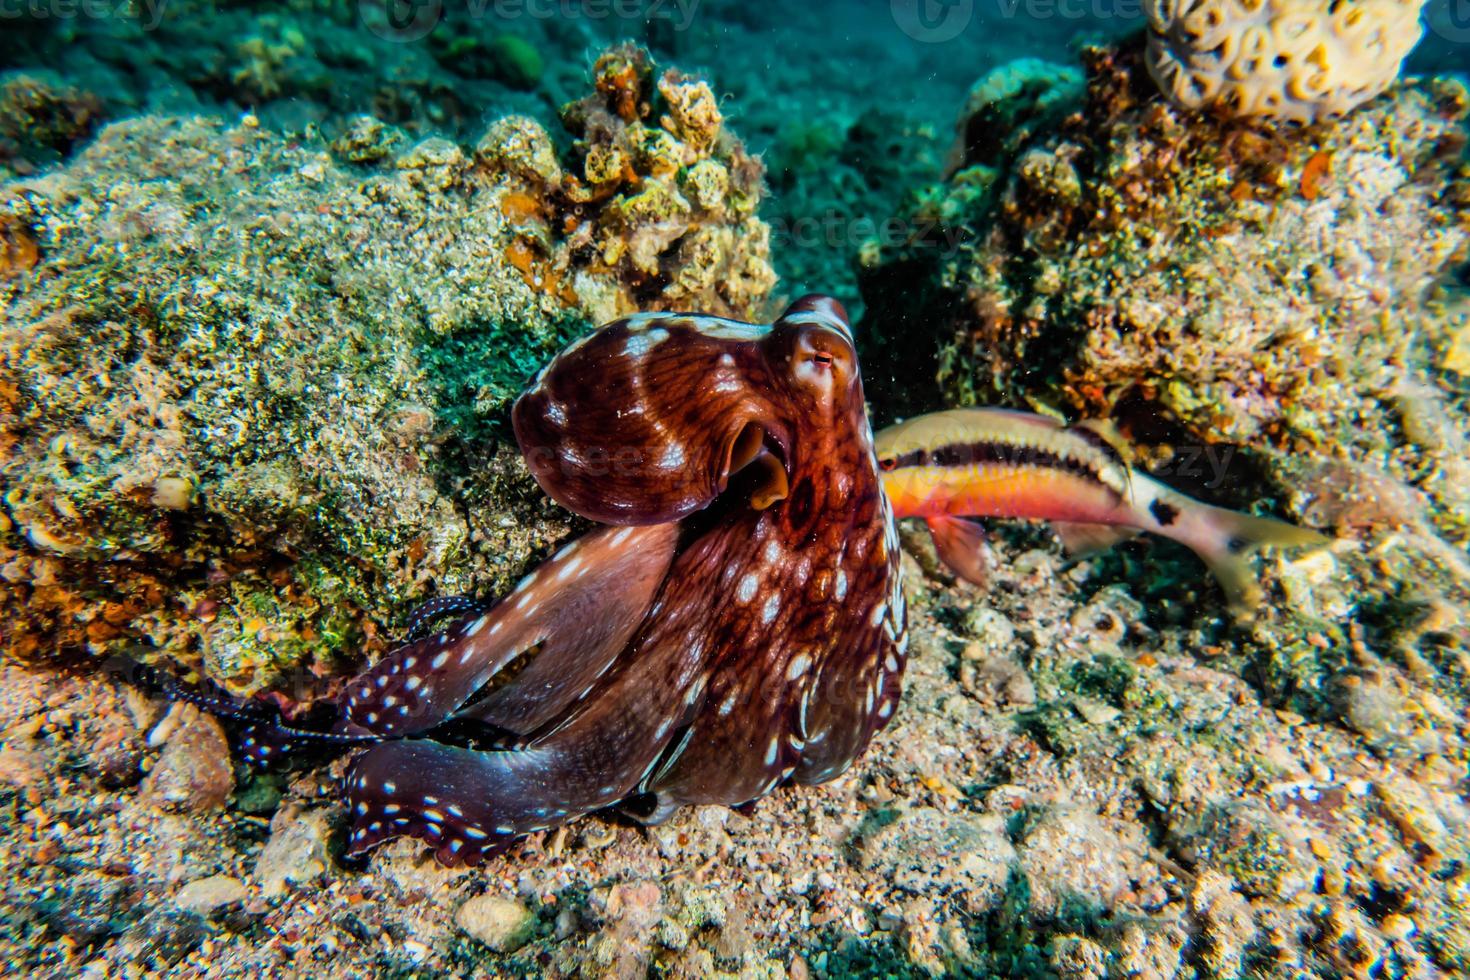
[{"x": 1104, "y": 434}]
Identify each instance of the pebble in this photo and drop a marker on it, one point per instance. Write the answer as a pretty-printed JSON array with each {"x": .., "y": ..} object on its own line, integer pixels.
[
  {"x": 1074, "y": 857},
  {"x": 1397, "y": 926},
  {"x": 995, "y": 676},
  {"x": 204, "y": 895},
  {"x": 502, "y": 924},
  {"x": 991, "y": 629},
  {"x": 296, "y": 852},
  {"x": 1095, "y": 712},
  {"x": 194, "y": 771}
]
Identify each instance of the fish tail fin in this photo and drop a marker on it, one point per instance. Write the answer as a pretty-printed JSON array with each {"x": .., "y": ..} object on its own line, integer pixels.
[{"x": 1232, "y": 537}]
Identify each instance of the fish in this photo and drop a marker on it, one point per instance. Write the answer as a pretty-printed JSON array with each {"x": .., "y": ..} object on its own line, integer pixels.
[
  {"x": 950, "y": 466},
  {"x": 735, "y": 622}
]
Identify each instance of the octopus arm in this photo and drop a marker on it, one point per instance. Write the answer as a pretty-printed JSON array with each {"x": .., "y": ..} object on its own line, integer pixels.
[
  {"x": 645, "y": 421},
  {"x": 850, "y": 697},
  {"x": 466, "y": 803},
  {"x": 532, "y": 654}
]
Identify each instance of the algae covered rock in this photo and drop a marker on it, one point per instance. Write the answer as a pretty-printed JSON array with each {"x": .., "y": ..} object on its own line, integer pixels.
[{"x": 252, "y": 396}]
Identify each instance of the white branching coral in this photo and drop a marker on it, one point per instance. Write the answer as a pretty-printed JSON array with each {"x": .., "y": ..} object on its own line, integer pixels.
[{"x": 1285, "y": 59}]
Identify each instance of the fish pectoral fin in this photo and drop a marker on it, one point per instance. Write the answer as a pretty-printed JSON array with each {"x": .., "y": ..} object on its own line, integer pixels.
[
  {"x": 1081, "y": 540},
  {"x": 962, "y": 547}
]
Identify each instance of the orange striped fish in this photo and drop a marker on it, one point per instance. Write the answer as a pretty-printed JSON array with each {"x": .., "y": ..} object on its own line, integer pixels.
[{"x": 991, "y": 462}]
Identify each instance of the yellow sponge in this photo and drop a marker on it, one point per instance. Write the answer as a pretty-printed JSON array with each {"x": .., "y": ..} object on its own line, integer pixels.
[{"x": 1284, "y": 59}]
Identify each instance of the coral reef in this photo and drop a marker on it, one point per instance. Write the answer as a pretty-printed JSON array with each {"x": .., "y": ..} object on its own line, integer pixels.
[
  {"x": 251, "y": 383},
  {"x": 1302, "y": 60},
  {"x": 652, "y": 214},
  {"x": 251, "y": 407}
]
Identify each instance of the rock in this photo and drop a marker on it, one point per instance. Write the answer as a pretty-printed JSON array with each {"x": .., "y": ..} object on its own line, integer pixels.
[
  {"x": 1380, "y": 706},
  {"x": 22, "y": 764},
  {"x": 164, "y": 936},
  {"x": 39, "y": 113},
  {"x": 1250, "y": 843},
  {"x": 204, "y": 895},
  {"x": 194, "y": 772},
  {"x": 1095, "y": 712},
  {"x": 631, "y": 911},
  {"x": 502, "y": 924},
  {"x": 926, "y": 850},
  {"x": 1075, "y": 858},
  {"x": 93, "y": 908},
  {"x": 1419, "y": 818},
  {"x": 990, "y": 628},
  {"x": 1150, "y": 953},
  {"x": 997, "y": 677},
  {"x": 296, "y": 852},
  {"x": 1224, "y": 921},
  {"x": 1078, "y": 958}
]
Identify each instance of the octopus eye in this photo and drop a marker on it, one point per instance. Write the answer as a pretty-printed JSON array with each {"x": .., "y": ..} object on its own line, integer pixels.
[
  {"x": 887, "y": 463},
  {"x": 822, "y": 357}
]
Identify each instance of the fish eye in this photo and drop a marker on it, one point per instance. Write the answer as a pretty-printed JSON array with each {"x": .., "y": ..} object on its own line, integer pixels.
[{"x": 887, "y": 463}]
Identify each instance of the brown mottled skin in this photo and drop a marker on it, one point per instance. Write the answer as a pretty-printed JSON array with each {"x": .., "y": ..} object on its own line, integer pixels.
[{"x": 739, "y": 623}]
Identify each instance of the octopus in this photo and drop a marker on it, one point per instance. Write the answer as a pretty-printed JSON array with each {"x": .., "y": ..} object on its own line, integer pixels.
[{"x": 735, "y": 623}]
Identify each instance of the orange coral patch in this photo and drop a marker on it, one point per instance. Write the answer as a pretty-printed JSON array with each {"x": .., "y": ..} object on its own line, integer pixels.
[
  {"x": 522, "y": 255},
  {"x": 520, "y": 207},
  {"x": 1317, "y": 167},
  {"x": 18, "y": 250}
]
